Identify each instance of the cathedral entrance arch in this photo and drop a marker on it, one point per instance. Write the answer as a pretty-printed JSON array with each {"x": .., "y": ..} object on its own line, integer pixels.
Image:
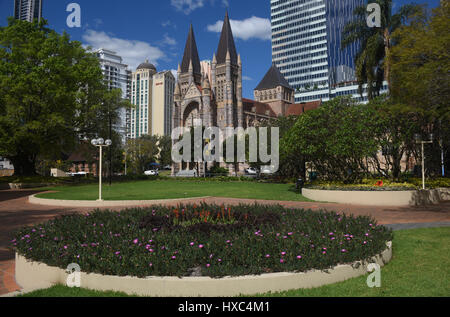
[{"x": 192, "y": 115}]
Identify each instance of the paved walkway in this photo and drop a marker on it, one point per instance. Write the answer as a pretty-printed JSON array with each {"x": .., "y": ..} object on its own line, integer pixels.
[{"x": 17, "y": 212}]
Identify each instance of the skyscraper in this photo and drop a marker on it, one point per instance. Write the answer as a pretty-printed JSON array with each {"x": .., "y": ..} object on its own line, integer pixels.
[
  {"x": 117, "y": 76},
  {"x": 162, "y": 103},
  {"x": 28, "y": 10},
  {"x": 141, "y": 98},
  {"x": 306, "y": 47}
]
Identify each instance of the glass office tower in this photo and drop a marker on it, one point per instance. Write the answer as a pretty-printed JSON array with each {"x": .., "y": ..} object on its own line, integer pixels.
[{"x": 306, "y": 47}]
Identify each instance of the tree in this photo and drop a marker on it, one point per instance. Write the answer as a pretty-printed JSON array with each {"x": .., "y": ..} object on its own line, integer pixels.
[
  {"x": 142, "y": 152},
  {"x": 394, "y": 128},
  {"x": 421, "y": 77},
  {"x": 372, "y": 64},
  {"x": 51, "y": 92},
  {"x": 165, "y": 154},
  {"x": 335, "y": 139}
]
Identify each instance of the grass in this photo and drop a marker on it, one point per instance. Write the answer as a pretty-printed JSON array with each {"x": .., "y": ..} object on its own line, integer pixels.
[
  {"x": 419, "y": 268},
  {"x": 64, "y": 291},
  {"x": 172, "y": 189}
]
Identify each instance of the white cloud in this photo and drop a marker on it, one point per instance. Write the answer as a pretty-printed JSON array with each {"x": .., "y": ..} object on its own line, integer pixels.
[
  {"x": 133, "y": 52},
  {"x": 247, "y": 78},
  {"x": 253, "y": 27},
  {"x": 187, "y": 6},
  {"x": 170, "y": 41}
]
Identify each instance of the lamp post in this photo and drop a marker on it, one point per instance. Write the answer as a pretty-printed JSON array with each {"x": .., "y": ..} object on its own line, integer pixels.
[
  {"x": 100, "y": 143},
  {"x": 419, "y": 140}
]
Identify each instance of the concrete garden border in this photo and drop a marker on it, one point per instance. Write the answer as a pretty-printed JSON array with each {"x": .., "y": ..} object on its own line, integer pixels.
[
  {"x": 379, "y": 198},
  {"x": 34, "y": 275},
  {"x": 106, "y": 203}
]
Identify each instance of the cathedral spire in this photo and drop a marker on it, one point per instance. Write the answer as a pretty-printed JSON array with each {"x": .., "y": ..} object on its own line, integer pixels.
[
  {"x": 191, "y": 54},
  {"x": 226, "y": 43}
]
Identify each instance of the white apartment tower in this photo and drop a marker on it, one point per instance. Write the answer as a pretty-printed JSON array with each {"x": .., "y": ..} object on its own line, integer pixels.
[
  {"x": 28, "y": 10},
  {"x": 117, "y": 76},
  {"x": 141, "y": 98}
]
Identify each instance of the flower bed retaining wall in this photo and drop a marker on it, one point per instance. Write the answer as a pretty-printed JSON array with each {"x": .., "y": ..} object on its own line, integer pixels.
[
  {"x": 379, "y": 198},
  {"x": 34, "y": 275}
]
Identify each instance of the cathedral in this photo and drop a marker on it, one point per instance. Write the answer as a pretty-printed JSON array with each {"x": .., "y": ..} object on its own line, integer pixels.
[
  {"x": 209, "y": 94},
  {"x": 212, "y": 97}
]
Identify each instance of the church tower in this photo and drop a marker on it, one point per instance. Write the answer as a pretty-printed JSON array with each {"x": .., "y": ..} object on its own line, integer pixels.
[
  {"x": 209, "y": 101},
  {"x": 226, "y": 73}
]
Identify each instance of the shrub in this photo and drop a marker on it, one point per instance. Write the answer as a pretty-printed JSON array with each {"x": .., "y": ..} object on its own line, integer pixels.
[{"x": 214, "y": 240}]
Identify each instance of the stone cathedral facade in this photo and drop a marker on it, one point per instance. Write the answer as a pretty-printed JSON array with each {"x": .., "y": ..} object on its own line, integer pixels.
[{"x": 213, "y": 98}]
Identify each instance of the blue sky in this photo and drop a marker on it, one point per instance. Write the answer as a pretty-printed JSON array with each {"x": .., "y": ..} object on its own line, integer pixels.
[{"x": 157, "y": 29}]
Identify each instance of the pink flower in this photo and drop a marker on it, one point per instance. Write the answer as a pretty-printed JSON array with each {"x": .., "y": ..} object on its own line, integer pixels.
[
  {"x": 174, "y": 257},
  {"x": 201, "y": 246},
  {"x": 299, "y": 257},
  {"x": 208, "y": 265},
  {"x": 283, "y": 253},
  {"x": 117, "y": 253},
  {"x": 65, "y": 247},
  {"x": 150, "y": 264},
  {"x": 135, "y": 241},
  {"x": 343, "y": 250},
  {"x": 281, "y": 261},
  {"x": 191, "y": 244},
  {"x": 267, "y": 255}
]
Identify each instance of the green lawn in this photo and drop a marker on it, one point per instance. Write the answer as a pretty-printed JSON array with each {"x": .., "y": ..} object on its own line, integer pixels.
[
  {"x": 420, "y": 267},
  {"x": 170, "y": 189}
]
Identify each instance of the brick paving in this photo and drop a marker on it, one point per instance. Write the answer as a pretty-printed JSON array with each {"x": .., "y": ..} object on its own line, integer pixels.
[{"x": 16, "y": 212}]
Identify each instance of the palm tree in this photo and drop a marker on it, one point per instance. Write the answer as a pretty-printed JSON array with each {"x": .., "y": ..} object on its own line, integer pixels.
[{"x": 372, "y": 60}]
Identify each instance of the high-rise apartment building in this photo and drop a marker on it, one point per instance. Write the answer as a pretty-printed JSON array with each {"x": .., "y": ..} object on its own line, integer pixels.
[
  {"x": 141, "y": 98},
  {"x": 306, "y": 47},
  {"x": 162, "y": 103},
  {"x": 28, "y": 10},
  {"x": 117, "y": 76},
  {"x": 152, "y": 95}
]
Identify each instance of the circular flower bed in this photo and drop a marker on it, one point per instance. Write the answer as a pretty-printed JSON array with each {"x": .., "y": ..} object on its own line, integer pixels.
[{"x": 204, "y": 240}]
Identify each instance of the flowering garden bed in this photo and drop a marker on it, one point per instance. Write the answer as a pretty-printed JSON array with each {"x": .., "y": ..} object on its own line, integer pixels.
[{"x": 205, "y": 240}]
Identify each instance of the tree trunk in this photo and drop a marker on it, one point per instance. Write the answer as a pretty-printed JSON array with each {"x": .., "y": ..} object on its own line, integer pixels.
[
  {"x": 24, "y": 166},
  {"x": 387, "y": 62}
]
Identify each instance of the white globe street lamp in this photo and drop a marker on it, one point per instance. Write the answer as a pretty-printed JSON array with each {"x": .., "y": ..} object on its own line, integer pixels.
[{"x": 100, "y": 143}]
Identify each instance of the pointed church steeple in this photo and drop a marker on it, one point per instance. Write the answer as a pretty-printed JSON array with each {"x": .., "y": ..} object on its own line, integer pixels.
[
  {"x": 226, "y": 43},
  {"x": 191, "y": 54}
]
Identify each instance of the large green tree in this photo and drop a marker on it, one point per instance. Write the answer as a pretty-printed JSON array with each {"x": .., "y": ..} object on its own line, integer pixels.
[
  {"x": 51, "y": 93},
  {"x": 372, "y": 62},
  {"x": 421, "y": 78},
  {"x": 334, "y": 139}
]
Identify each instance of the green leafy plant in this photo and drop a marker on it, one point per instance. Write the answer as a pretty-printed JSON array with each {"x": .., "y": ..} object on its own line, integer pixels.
[{"x": 216, "y": 240}]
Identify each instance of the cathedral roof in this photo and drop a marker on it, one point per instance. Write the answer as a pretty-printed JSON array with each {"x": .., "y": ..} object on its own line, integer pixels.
[
  {"x": 191, "y": 54},
  {"x": 300, "y": 108},
  {"x": 226, "y": 44},
  {"x": 259, "y": 108},
  {"x": 273, "y": 79}
]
